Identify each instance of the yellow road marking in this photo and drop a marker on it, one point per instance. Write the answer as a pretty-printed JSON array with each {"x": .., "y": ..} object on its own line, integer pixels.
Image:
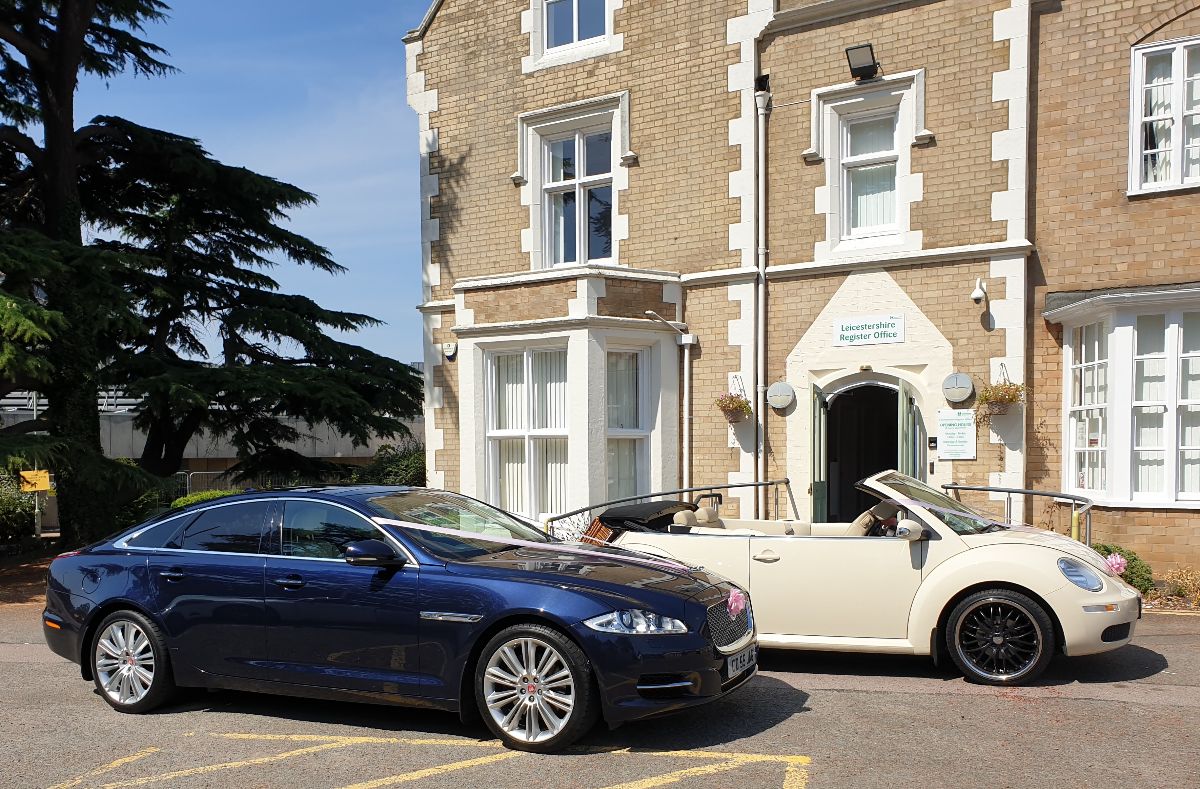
[
  {"x": 363, "y": 740},
  {"x": 679, "y": 775},
  {"x": 796, "y": 777},
  {"x": 212, "y": 768},
  {"x": 106, "y": 768},
  {"x": 429, "y": 772},
  {"x": 1171, "y": 613}
]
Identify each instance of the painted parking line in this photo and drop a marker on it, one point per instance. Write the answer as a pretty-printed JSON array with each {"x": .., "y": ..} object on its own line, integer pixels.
[{"x": 795, "y": 766}]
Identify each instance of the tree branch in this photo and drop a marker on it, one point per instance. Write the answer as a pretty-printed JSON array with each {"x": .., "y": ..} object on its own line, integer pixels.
[
  {"x": 30, "y": 50},
  {"x": 21, "y": 142},
  {"x": 25, "y": 428},
  {"x": 86, "y": 133}
]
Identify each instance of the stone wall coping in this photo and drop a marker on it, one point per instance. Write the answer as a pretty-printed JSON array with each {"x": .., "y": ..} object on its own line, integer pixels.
[
  {"x": 543, "y": 325},
  {"x": 565, "y": 272}
]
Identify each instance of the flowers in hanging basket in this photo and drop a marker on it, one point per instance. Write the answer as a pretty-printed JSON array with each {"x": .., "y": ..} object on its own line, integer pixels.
[
  {"x": 734, "y": 406},
  {"x": 997, "y": 398}
]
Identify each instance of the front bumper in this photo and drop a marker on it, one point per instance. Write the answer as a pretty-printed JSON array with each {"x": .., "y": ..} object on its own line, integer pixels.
[
  {"x": 647, "y": 676},
  {"x": 1089, "y": 622}
]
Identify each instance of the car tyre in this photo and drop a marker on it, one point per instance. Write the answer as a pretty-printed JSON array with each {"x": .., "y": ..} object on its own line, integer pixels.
[
  {"x": 130, "y": 664},
  {"x": 1000, "y": 637},
  {"x": 535, "y": 689}
]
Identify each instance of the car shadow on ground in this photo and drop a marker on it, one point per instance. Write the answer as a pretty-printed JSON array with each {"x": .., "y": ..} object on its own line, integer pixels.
[
  {"x": 761, "y": 704},
  {"x": 1126, "y": 664}
]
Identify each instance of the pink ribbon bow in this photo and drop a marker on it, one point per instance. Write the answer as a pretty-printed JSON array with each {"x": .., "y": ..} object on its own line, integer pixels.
[{"x": 736, "y": 603}]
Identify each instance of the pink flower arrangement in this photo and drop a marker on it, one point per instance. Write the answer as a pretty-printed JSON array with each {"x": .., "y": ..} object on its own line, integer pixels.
[
  {"x": 736, "y": 603},
  {"x": 1116, "y": 562}
]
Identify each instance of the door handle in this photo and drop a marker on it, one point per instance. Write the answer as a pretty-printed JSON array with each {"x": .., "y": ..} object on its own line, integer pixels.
[
  {"x": 767, "y": 557},
  {"x": 174, "y": 574},
  {"x": 289, "y": 582}
]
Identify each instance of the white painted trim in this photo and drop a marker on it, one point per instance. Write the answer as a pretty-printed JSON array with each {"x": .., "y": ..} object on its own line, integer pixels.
[
  {"x": 425, "y": 102},
  {"x": 434, "y": 435},
  {"x": 532, "y": 24},
  {"x": 818, "y": 149},
  {"x": 1012, "y": 144},
  {"x": 825, "y": 11},
  {"x": 1136, "y": 79},
  {"x": 744, "y": 434},
  {"x": 900, "y": 258},
  {"x": 720, "y": 275},
  {"x": 444, "y": 305},
  {"x": 563, "y": 272},
  {"x": 1009, "y": 430},
  {"x": 418, "y": 32},
  {"x": 565, "y": 324},
  {"x": 613, "y": 102},
  {"x": 1104, "y": 304}
]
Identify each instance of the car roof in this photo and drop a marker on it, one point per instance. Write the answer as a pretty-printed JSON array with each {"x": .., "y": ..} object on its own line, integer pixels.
[{"x": 330, "y": 492}]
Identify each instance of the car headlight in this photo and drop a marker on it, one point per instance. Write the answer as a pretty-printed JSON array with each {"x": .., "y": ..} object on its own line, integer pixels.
[
  {"x": 634, "y": 621},
  {"x": 1081, "y": 575}
]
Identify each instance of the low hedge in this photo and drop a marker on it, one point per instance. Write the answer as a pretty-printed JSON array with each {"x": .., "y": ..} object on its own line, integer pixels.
[
  {"x": 1137, "y": 573},
  {"x": 202, "y": 495}
]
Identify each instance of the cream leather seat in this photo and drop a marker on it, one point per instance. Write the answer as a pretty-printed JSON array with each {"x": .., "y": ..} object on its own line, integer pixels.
[
  {"x": 708, "y": 518},
  {"x": 863, "y": 523}
]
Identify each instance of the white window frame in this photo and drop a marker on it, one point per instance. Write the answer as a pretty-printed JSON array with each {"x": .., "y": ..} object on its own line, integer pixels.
[
  {"x": 529, "y": 434},
  {"x": 1138, "y": 55},
  {"x": 832, "y": 109},
  {"x": 1073, "y": 411},
  {"x": 534, "y": 129},
  {"x": 541, "y": 56},
  {"x": 850, "y": 163},
  {"x": 640, "y": 434},
  {"x": 1121, "y": 468},
  {"x": 579, "y": 185}
]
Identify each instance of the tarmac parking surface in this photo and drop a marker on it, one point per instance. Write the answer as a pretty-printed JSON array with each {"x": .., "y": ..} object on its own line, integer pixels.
[{"x": 1126, "y": 719}]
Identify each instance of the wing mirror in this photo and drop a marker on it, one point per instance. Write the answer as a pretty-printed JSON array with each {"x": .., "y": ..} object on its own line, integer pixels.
[
  {"x": 372, "y": 553},
  {"x": 911, "y": 530}
]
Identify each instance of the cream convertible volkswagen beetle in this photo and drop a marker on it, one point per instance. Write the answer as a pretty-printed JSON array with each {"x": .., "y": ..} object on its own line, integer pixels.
[{"x": 919, "y": 574}]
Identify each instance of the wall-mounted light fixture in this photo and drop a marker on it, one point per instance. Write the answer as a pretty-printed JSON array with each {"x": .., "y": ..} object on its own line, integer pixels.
[{"x": 863, "y": 64}]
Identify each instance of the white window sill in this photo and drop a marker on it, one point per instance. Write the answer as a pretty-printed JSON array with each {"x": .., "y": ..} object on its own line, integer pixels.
[
  {"x": 573, "y": 53},
  {"x": 1147, "y": 191}
]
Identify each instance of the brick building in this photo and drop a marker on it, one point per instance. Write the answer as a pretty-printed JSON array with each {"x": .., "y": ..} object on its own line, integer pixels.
[{"x": 588, "y": 166}]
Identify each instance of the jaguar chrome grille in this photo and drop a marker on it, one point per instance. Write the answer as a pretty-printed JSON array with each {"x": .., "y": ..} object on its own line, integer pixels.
[{"x": 727, "y": 630}]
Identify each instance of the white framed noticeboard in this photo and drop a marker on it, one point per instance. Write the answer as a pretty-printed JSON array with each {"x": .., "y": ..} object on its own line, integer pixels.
[{"x": 956, "y": 434}]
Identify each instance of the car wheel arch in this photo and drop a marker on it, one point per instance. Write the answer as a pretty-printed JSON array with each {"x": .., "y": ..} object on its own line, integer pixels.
[
  {"x": 467, "y": 710},
  {"x": 98, "y": 614},
  {"x": 944, "y": 616}
]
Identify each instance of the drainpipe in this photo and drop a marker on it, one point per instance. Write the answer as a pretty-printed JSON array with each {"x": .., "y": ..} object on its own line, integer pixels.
[{"x": 762, "y": 97}]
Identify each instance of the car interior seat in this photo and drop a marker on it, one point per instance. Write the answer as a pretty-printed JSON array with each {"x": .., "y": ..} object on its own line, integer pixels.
[
  {"x": 863, "y": 523},
  {"x": 707, "y": 517}
]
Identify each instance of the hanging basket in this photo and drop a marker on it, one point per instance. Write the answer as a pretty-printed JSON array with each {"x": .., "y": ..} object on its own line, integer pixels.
[
  {"x": 735, "y": 406},
  {"x": 733, "y": 415},
  {"x": 996, "y": 408}
]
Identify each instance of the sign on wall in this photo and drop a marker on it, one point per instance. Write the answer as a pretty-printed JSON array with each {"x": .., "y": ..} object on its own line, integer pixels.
[
  {"x": 869, "y": 330},
  {"x": 956, "y": 434}
]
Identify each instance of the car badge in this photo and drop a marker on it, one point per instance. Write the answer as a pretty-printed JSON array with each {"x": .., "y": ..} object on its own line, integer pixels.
[{"x": 736, "y": 603}]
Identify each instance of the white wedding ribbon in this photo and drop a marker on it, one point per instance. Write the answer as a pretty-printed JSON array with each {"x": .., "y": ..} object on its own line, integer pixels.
[{"x": 560, "y": 547}]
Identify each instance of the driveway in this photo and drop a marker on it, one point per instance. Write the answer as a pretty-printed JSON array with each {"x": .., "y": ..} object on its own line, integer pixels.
[{"x": 1127, "y": 719}]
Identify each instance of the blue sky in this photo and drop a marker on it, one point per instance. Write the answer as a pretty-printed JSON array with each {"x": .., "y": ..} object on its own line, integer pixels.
[{"x": 311, "y": 92}]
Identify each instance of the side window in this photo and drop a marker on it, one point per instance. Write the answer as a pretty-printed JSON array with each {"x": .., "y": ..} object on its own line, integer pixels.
[
  {"x": 159, "y": 535},
  {"x": 235, "y": 528},
  {"x": 316, "y": 530}
]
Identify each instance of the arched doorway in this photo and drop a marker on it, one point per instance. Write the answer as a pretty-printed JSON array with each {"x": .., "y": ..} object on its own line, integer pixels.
[{"x": 863, "y": 439}]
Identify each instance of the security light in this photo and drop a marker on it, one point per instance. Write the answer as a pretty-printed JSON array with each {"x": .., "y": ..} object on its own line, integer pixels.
[{"x": 863, "y": 65}]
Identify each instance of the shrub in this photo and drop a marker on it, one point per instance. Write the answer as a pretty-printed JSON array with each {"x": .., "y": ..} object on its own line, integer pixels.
[
  {"x": 201, "y": 495},
  {"x": 16, "y": 515},
  {"x": 1184, "y": 582},
  {"x": 394, "y": 465},
  {"x": 1137, "y": 574}
]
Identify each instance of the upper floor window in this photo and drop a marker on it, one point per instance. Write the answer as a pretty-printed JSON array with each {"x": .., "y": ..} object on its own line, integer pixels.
[
  {"x": 579, "y": 196},
  {"x": 869, "y": 160},
  {"x": 1165, "y": 131},
  {"x": 572, "y": 21}
]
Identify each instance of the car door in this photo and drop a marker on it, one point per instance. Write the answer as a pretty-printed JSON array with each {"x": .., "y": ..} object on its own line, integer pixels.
[
  {"x": 205, "y": 583},
  {"x": 843, "y": 587},
  {"x": 332, "y": 624}
]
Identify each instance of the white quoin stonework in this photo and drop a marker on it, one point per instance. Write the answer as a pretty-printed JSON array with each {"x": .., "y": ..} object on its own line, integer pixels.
[
  {"x": 1012, "y": 144},
  {"x": 434, "y": 437},
  {"x": 424, "y": 103},
  {"x": 744, "y": 32}
]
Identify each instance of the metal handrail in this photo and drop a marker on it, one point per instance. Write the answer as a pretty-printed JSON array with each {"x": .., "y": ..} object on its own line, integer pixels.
[
  {"x": 785, "y": 482},
  {"x": 1080, "y": 505}
]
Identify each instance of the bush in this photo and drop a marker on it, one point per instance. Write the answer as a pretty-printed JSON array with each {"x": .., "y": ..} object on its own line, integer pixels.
[
  {"x": 1137, "y": 574},
  {"x": 1185, "y": 583},
  {"x": 202, "y": 495},
  {"x": 402, "y": 465},
  {"x": 16, "y": 516}
]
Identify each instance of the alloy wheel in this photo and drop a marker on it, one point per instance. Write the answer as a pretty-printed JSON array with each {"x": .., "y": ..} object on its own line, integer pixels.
[
  {"x": 125, "y": 662},
  {"x": 998, "y": 639},
  {"x": 529, "y": 689}
]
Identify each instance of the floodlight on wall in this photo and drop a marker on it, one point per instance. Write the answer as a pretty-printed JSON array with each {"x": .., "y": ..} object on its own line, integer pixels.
[{"x": 863, "y": 65}]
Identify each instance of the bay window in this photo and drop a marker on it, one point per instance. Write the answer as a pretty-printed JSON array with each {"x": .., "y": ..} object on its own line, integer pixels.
[
  {"x": 1165, "y": 122},
  {"x": 527, "y": 431},
  {"x": 627, "y": 433}
]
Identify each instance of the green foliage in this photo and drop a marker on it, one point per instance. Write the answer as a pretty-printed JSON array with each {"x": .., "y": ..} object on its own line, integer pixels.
[
  {"x": 16, "y": 514},
  {"x": 203, "y": 495},
  {"x": 1137, "y": 573},
  {"x": 394, "y": 465}
]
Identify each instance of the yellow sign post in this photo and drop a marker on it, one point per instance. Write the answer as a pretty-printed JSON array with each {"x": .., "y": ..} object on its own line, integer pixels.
[{"x": 35, "y": 481}]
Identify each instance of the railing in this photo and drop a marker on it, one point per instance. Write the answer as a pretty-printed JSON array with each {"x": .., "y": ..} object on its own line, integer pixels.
[
  {"x": 1080, "y": 507},
  {"x": 571, "y": 525}
]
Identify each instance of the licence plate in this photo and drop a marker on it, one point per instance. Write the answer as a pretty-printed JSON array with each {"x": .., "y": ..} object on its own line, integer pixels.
[{"x": 736, "y": 664}]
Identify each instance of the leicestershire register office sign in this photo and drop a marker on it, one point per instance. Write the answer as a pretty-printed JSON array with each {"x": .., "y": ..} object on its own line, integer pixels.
[{"x": 869, "y": 330}]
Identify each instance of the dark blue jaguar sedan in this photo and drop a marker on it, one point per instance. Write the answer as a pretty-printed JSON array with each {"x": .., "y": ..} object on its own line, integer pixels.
[{"x": 397, "y": 595}]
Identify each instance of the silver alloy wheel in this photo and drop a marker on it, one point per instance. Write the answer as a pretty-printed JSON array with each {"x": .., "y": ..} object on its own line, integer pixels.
[
  {"x": 999, "y": 639},
  {"x": 529, "y": 689},
  {"x": 125, "y": 662}
]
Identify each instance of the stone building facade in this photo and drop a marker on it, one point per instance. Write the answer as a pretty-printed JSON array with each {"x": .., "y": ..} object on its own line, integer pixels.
[{"x": 631, "y": 208}]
